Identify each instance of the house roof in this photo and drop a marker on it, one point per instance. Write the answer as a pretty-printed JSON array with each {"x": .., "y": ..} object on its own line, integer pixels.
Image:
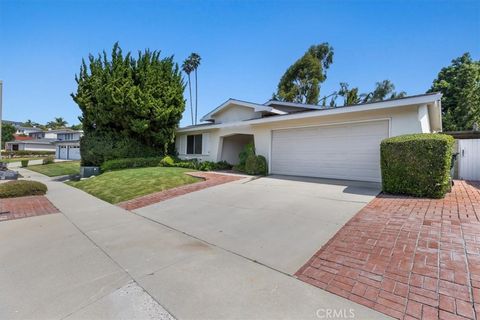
[
  {"x": 432, "y": 99},
  {"x": 257, "y": 108},
  {"x": 34, "y": 141}
]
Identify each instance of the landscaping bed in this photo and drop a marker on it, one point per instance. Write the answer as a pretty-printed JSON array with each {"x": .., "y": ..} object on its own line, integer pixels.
[
  {"x": 121, "y": 185},
  {"x": 57, "y": 168}
]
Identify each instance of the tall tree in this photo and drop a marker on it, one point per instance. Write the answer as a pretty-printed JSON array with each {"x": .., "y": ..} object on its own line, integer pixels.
[
  {"x": 195, "y": 63},
  {"x": 7, "y": 133},
  {"x": 187, "y": 68},
  {"x": 301, "y": 82},
  {"x": 130, "y": 106},
  {"x": 383, "y": 90},
  {"x": 460, "y": 85}
]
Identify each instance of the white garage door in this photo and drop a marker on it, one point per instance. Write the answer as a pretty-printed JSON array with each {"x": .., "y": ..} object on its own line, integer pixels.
[
  {"x": 63, "y": 152},
  {"x": 74, "y": 153},
  {"x": 347, "y": 151}
]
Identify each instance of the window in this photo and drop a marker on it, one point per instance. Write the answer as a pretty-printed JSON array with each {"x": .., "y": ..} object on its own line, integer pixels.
[{"x": 194, "y": 144}]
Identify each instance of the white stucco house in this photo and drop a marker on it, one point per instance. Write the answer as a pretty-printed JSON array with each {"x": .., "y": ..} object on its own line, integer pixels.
[{"x": 308, "y": 140}]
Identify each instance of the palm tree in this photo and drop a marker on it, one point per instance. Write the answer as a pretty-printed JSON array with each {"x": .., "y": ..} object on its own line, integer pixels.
[
  {"x": 187, "y": 68},
  {"x": 195, "y": 59},
  {"x": 57, "y": 123}
]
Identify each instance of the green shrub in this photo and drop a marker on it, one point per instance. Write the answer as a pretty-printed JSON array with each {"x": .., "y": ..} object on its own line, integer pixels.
[
  {"x": 247, "y": 151},
  {"x": 48, "y": 160},
  {"x": 167, "y": 161},
  {"x": 417, "y": 164},
  {"x": 22, "y": 188},
  {"x": 187, "y": 164},
  {"x": 96, "y": 149},
  {"x": 130, "y": 163},
  {"x": 256, "y": 165},
  {"x": 223, "y": 165},
  {"x": 24, "y": 163},
  {"x": 262, "y": 166}
]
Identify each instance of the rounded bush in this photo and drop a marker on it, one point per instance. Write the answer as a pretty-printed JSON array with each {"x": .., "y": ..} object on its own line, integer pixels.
[
  {"x": 22, "y": 188},
  {"x": 262, "y": 167},
  {"x": 417, "y": 164},
  {"x": 167, "y": 161},
  {"x": 48, "y": 160}
]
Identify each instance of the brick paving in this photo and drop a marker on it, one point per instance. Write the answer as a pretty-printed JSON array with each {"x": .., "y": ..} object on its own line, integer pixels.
[
  {"x": 210, "y": 180},
  {"x": 409, "y": 258},
  {"x": 24, "y": 207}
]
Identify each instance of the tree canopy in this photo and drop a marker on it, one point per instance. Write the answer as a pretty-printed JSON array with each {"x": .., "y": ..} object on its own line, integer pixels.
[
  {"x": 460, "y": 85},
  {"x": 57, "y": 123},
  {"x": 301, "y": 82},
  {"x": 138, "y": 99},
  {"x": 7, "y": 133}
]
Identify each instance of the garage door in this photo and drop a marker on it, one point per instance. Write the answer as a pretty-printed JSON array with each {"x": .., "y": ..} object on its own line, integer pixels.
[
  {"x": 74, "y": 153},
  {"x": 348, "y": 151},
  {"x": 63, "y": 152}
]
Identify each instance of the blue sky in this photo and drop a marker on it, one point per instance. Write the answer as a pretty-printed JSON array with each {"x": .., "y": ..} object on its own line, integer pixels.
[{"x": 245, "y": 45}]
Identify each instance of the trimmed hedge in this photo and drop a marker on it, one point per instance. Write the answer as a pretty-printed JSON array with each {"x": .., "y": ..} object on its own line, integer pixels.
[
  {"x": 166, "y": 161},
  {"x": 22, "y": 188},
  {"x": 27, "y": 153},
  {"x": 417, "y": 164},
  {"x": 98, "y": 148},
  {"x": 24, "y": 163}
]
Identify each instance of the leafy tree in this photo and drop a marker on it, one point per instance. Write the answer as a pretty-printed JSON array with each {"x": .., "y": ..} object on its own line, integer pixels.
[
  {"x": 383, "y": 90},
  {"x": 8, "y": 131},
  {"x": 57, "y": 123},
  {"x": 460, "y": 85},
  {"x": 137, "y": 100},
  {"x": 301, "y": 82}
]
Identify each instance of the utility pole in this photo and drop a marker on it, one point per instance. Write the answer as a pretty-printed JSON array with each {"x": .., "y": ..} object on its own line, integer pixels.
[{"x": 1, "y": 119}]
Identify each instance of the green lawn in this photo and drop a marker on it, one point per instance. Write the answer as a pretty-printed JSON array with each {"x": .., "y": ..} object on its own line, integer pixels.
[
  {"x": 122, "y": 185},
  {"x": 57, "y": 168}
]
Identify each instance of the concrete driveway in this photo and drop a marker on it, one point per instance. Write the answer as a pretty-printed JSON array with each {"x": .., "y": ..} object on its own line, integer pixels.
[
  {"x": 278, "y": 221},
  {"x": 95, "y": 260}
]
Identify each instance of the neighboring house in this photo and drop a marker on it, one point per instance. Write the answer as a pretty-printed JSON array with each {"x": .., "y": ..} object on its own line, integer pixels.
[
  {"x": 26, "y": 130},
  {"x": 309, "y": 140},
  {"x": 30, "y": 145},
  {"x": 65, "y": 143}
]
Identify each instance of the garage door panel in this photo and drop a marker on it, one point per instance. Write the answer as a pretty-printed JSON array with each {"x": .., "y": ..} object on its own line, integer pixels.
[{"x": 349, "y": 151}]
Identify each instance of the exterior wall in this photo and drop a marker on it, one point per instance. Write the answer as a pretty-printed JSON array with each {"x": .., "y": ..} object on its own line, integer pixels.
[
  {"x": 402, "y": 120},
  {"x": 236, "y": 113},
  {"x": 36, "y": 147},
  {"x": 50, "y": 135}
]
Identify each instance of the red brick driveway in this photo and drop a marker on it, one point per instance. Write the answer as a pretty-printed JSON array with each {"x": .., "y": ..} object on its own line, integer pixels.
[
  {"x": 406, "y": 257},
  {"x": 24, "y": 207}
]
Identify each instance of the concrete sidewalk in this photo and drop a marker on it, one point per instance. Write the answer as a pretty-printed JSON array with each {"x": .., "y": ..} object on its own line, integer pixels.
[{"x": 189, "y": 277}]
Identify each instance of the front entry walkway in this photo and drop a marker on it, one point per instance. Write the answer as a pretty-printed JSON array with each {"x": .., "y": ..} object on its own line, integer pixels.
[{"x": 406, "y": 257}]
